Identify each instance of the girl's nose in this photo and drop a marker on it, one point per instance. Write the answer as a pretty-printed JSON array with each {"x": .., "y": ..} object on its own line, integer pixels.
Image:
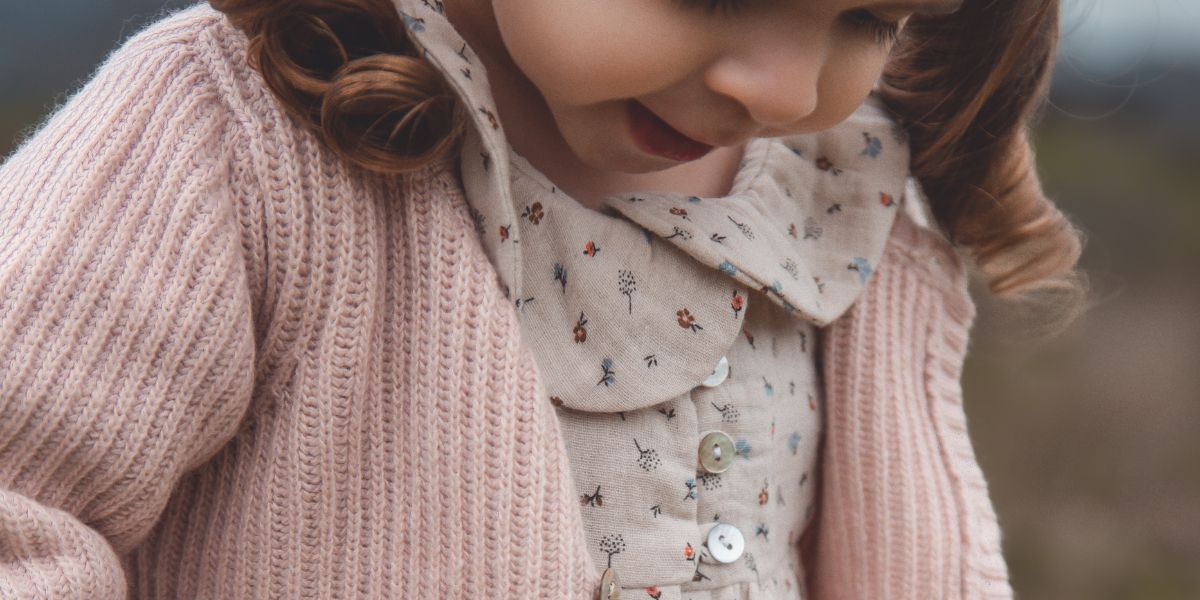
[{"x": 777, "y": 86}]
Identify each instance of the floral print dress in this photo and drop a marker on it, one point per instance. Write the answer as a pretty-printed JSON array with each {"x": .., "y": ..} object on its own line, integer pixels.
[{"x": 676, "y": 336}]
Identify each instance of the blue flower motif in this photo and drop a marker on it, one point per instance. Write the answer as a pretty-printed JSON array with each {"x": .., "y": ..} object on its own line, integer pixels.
[
  {"x": 412, "y": 23},
  {"x": 694, "y": 199},
  {"x": 794, "y": 441},
  {"x": 874, "y": 146},
  {"x": 727, "y": 268},
  {"x": 743, "y": 448},
  {"x": 776, "y": 286},
  {"x": 863, "y": 268}
]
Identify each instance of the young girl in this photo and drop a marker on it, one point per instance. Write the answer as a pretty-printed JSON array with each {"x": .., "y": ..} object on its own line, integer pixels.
[{"x": 542, "y": 299}]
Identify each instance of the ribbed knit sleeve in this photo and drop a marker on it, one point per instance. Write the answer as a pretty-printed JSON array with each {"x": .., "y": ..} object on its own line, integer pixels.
[
  {"x": 904, "y": 510},
  {"x": 126, "y": 336}
]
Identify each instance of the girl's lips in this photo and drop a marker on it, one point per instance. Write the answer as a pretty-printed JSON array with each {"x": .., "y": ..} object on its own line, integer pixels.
[{"x": 655, "y": 136}]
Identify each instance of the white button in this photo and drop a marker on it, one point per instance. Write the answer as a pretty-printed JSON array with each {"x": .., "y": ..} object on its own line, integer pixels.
[
  {"x": 716, "y": 452},
  {"x": 610, "y": 586},
  {"x": 725, "y": 542},
  {"x": 719, "y": 374}
]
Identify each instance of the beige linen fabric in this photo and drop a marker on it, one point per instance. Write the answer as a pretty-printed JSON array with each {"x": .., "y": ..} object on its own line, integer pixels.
[{"x": 627, "y": 310}]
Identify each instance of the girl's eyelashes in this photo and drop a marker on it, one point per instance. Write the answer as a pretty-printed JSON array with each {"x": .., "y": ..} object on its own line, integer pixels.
[
  {"x": 711, "y": 6},
  {"x": 885, "y": 31}
]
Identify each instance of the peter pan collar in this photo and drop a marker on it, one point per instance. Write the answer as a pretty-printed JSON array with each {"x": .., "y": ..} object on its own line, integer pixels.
[{"x": 846, "y": 183}]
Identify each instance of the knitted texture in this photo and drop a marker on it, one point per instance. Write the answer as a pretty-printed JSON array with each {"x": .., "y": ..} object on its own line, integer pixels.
[{"x": 232, "y": 366}]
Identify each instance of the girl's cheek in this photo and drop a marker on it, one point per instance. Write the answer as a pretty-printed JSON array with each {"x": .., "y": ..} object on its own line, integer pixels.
[
  {"x": 580, "y": 52},
  {"x": 846, "y": 81}
]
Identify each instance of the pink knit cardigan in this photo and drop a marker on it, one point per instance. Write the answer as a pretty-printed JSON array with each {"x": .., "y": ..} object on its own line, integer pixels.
[{"x": 231, "y": 366}]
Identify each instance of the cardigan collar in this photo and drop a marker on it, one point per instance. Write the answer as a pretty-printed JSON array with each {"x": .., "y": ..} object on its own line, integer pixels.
[{"x": 845, "y": 181}]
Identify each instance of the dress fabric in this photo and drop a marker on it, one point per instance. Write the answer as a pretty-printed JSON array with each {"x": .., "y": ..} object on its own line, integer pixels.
[{"x": 629, "y": 310}]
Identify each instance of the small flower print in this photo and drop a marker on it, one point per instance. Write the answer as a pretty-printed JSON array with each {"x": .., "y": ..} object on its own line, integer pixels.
[
  {"x": 794, "y": 441},
  {"x": 651, "y": 360},
  {"x": 504, "y": 232},
  {"x": 727, "y": 268},
  {"x": 686, "y": 320},
  {"x": 609, "y": 377},
  {"x": 792, "y": 229},
  {"x": 745, "y": 229},
  {"x": 627, "y": 284},
  {"x": 768, "y": 389},
  {"x": 737, "y": 303},
  {"x": 560, "y": 274},
  {"x": 654, "y": 592},
  {"x": 590, "y": 248},
  {"x": 812, "y": 231},
  {"x": 680, "y": 212},
  {"x": 718, "y": 238},
  {"x": 691, "y": 489},
  {"x": 611, "y": 545},
  {"x": 491, "y": 117},
  {"x": 689, "y": 553},
  {"x": 478, "y": 220},
  {"x": 874, "y": 146},
  {"x": 789, "y": 265},
  {"x": 763, "y": 495},
  {"x": 555, "y": 400},
  {"x": 729, "y": 412},
  {"x": 680, "y": 233},
  {"x": 886, "y": 199},
  {"x": 742, "y": 448},
  {"x": 534, "y": 213},
  {"x": 811, "y": 405},
  {"x": 860, "y": 265},
  {"x": 656, "y": 510},
  {"x": 415, "y": 24},
  {"x": 694, "y": 199},
  {"x": 763, "y": 530},
  {"x": 836, "y": 207},
  {"x": 825, "y": 164},
  {"x": 648, "y": 458},
  {"x": 820, "y": 284},
  {"x": 669, "y": 414},
  {"x": 594, "y": 499},
  {"x": 580, "y": 329}
]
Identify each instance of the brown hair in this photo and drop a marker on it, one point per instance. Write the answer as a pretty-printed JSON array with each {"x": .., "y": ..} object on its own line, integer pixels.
[{"x": 966, "y": 87}]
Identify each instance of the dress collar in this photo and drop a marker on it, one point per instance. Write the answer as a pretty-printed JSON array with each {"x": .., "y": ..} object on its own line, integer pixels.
[{"x": 845, "y": 183}]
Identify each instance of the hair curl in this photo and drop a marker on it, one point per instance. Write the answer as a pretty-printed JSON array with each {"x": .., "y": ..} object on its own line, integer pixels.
[{"x": 966, "y": 86}]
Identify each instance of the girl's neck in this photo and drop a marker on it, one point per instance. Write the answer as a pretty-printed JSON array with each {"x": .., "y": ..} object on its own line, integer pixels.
[{"x": 531, "y": 130}]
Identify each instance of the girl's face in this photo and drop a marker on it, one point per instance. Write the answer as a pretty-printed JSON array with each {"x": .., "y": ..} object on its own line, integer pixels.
[{"x": 718, "y": 71}]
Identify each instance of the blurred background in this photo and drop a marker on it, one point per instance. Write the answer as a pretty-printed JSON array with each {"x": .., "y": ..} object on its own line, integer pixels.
[{"x": 1090, "y": 442}]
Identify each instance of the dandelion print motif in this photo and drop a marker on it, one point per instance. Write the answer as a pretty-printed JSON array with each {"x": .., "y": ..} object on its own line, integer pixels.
[
  {"x": 648, "y": 458},
  {"x": 612, "y": 544}
]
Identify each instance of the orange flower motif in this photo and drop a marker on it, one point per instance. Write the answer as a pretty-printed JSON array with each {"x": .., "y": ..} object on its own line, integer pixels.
[
  {"x": 688, "y": 552},
  {"x": 653, "y": 592},
  {"x": 762, "y": 496},
  {"x": 737, "y": 303},
  {"x": 580, "y": 331},
  {"x": 686, "y": 320},
  {"x": 886, "y": 199},
  {"x": 590, "y": 248}
]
